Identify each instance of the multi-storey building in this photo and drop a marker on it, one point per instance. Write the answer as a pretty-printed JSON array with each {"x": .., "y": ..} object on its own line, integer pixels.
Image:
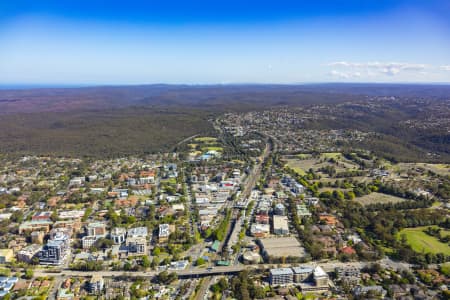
[
  {"x": 96, "y": 229},
  {"x": 281, "y": 276},
  {"x": 55, "y": 251},
  {"x": 37, "y": 237},
  {"x": 137, "y": 232},
  {"x": 118, "y": 235},
  {"x": 302, "y": 273},
  {"x": 280, "y": 225},
  {"x": 28, "y": 253},
  {"x": 88, "y": 241},
  {"x": 280, "y": 209},
  {"x": 136, "y": 245}
]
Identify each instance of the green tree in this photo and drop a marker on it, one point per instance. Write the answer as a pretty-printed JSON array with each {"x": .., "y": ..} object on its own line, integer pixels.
[
  {"x": 200, "y": 261},
  {"x": 145, "y": 262},
  {"x": 29, "y": 273}
]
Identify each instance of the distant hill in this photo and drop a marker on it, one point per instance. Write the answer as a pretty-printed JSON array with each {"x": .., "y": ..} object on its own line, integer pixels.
[
  {"x": 121, "y": 120},
  {"x": 212, "y": 97}
]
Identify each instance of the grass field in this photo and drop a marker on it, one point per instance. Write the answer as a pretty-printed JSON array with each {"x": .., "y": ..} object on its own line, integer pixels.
[
  {"x": 441, "y": 169},
  {"x": 206, "y": 139},
  {"x": 212, "y": 148},
  {"x": 420, "y": 241},
  {"x": 295, "y": 165},
  {"x": 329, "y": 189},
  {"x": 436, "y": 204},
  {"x": 172, "y": 181},
  {"x": 302, "y": 165},
  {"x": 329, "y": 155},
  {"x": 375, "y": 198},
  {"x": 357, "y": 178}
]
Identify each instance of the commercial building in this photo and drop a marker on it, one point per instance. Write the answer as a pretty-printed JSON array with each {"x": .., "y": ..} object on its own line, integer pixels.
[
  {"x": 278, "y": 247},
  {"x": 348, "y": 274},
  {"x": 37, "y": 237},
  {"x": 302, "y": 274},
  {"x": 280, "y": 225},
  {"x": 320, "y": 276},
  {"x": 28, "y": 253},
  {"x": 57, "y": 232},
  {"x": 38, "y": 225},
  {"x": 96, "y": 229},
  {"x": 118, "y": 235},
  {"x": 281, "y": 276},
  {"x": 260, "y": 230},
  {"x": 42, "y": 216},
  {"x": 309, "y": 279},
  {"x": 71, "y": 214},
  {"x": 347, "y": 271},
  {"x": 137, "y": 232},
  {"x": 88, "y": 241},
  {"x": 55, "y": 251},
  {"x": 136, "y": 245},
  {"x": 74, "y": 225}
]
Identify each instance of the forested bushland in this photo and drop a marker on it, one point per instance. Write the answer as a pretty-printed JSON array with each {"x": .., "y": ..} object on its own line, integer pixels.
[
  {"x": 410, "y": 125},
  {"x": 106, "y": 133}
]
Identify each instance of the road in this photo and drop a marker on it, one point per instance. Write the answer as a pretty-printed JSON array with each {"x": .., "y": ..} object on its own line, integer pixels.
[
  {"x": 255, "y": 174},
  {"x": 233, "y": 231},
  {"x": 202, "y": 293},
  {"x": 328, "y": 266},
  {"x": 187, "y": 139},
  {"x": 53, "y": 294}
]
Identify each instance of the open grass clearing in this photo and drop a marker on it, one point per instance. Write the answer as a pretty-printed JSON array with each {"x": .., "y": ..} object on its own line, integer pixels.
[
  {"x": 422, "y": 242},
  {"x": 212, "y": 148},
  {"x": 330, "y": 189},
  {"x": 375, "y": 198},
  {"x": 205, "y": 139},
  {"x": 329, "y": 155},
  {"x": 326, "y": 179},
  {"x": 301, "y": 166},
  {"x": 441, "y": 169},
  {"x": 346, "y": 165},
  {"x": 295, "y": 165}
]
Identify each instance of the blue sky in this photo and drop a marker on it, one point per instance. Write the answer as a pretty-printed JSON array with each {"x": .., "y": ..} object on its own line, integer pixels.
[{"x": 206, "y": 42}]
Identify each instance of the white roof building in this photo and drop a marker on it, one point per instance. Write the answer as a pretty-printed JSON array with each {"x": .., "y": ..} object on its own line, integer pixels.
[{"x": 137, "y": 232}]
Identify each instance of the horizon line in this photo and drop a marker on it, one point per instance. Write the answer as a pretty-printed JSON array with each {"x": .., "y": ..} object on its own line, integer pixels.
[{"x": 24, "y": 86}]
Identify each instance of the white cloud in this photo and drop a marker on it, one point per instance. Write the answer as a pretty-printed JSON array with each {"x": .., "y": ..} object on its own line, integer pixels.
[
  {"x": 445, "y": 68},
  {"x": 377, "y": 68},
  {"x": 338, "y": 74},
  {"x": 344, "y": 75}
]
